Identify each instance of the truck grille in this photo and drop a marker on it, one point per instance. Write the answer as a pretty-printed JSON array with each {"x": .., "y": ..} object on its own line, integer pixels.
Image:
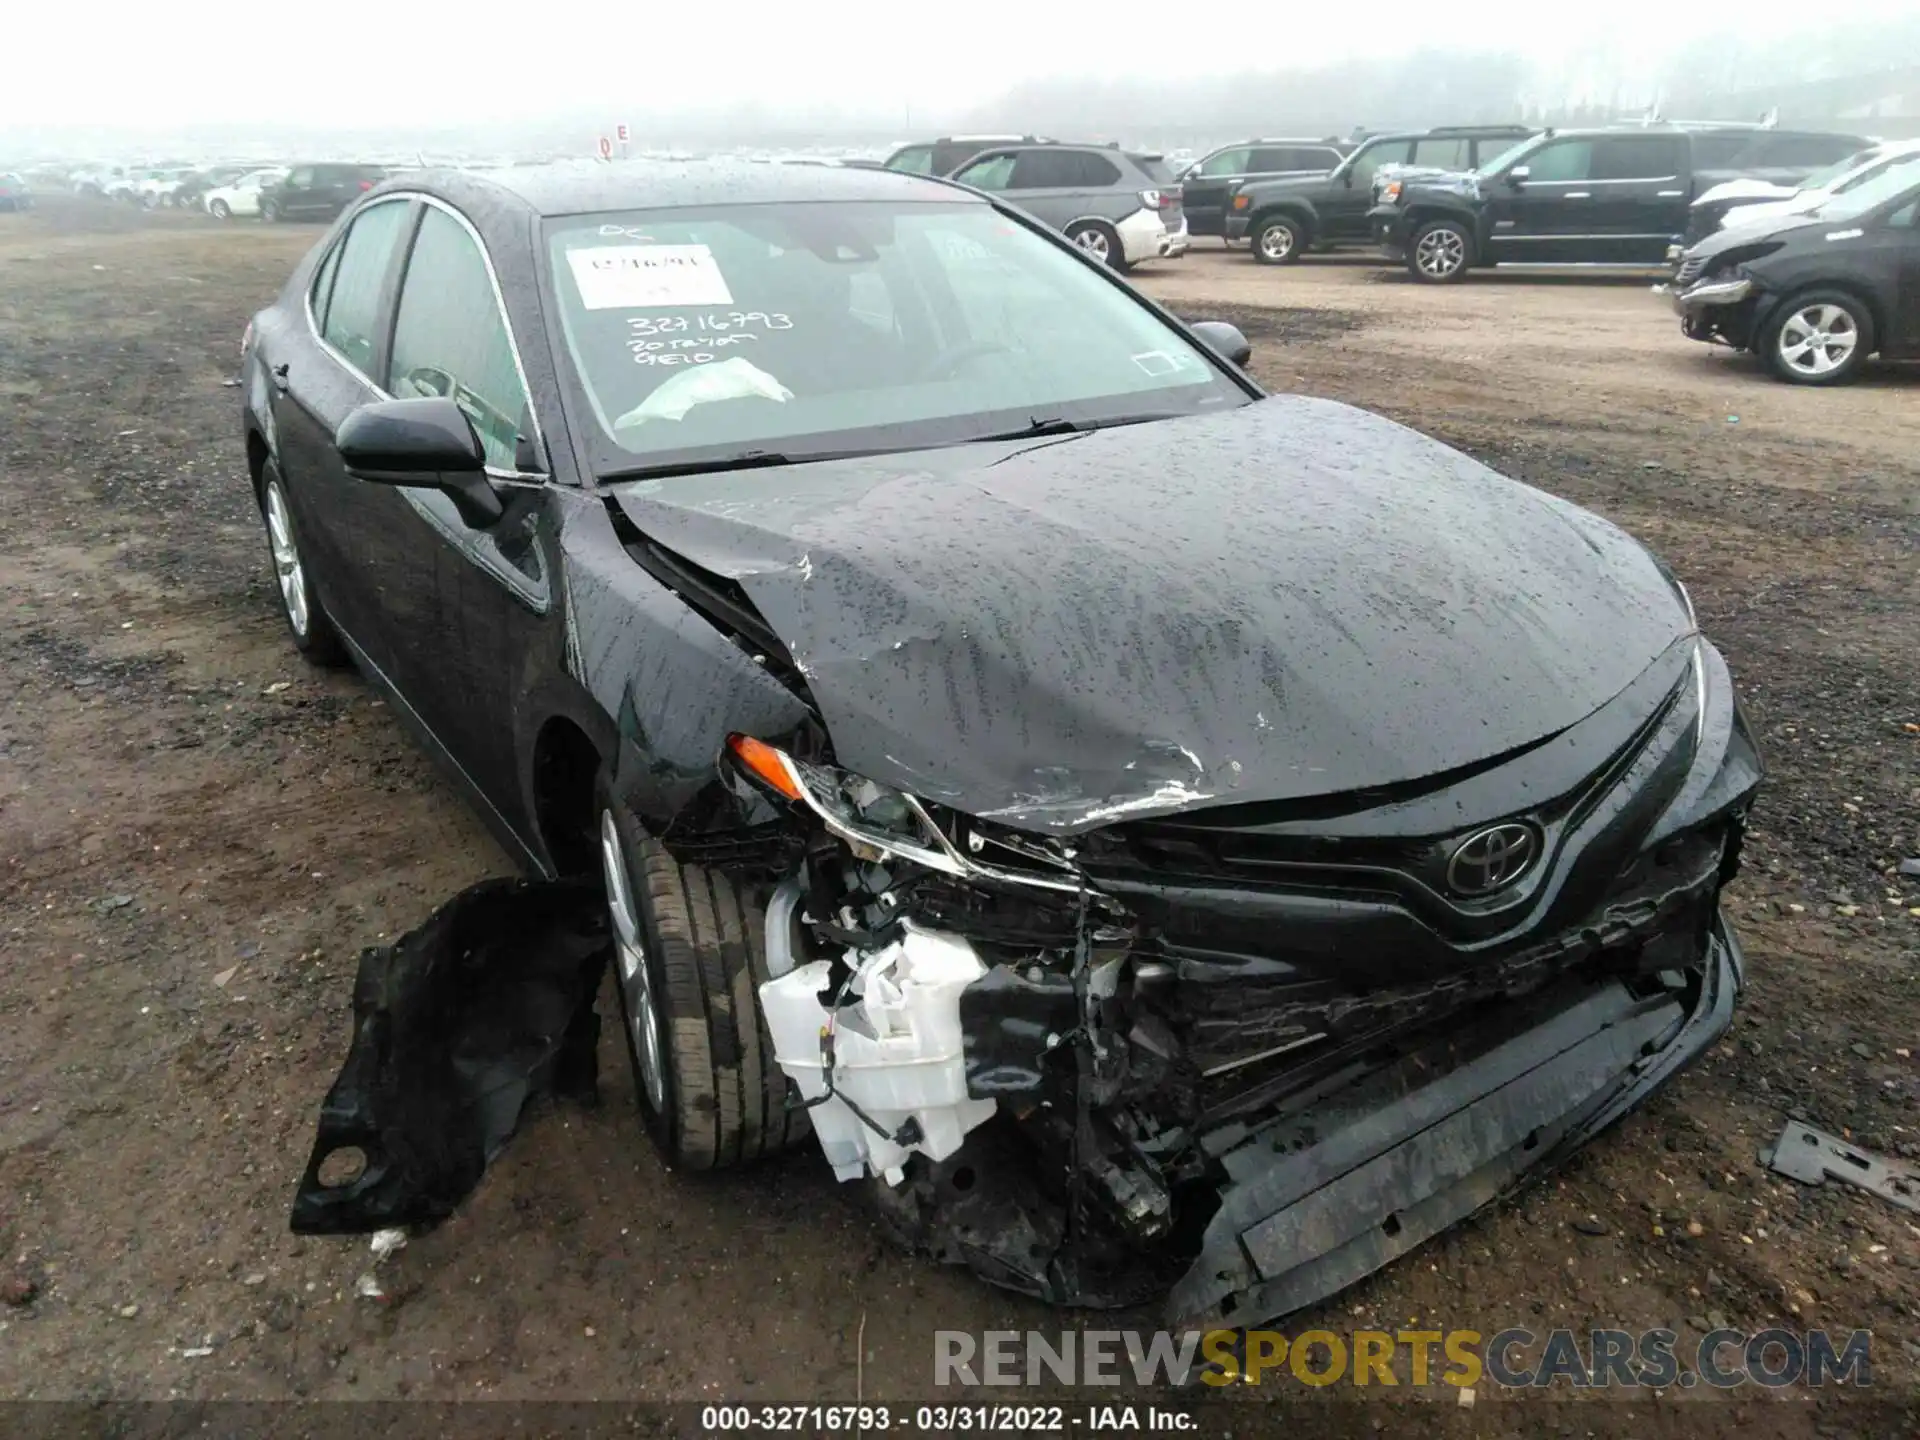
[{"x": 1690, "y": 270}]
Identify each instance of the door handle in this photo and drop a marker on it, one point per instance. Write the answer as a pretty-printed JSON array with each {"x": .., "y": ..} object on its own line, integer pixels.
[
  {"x": 1671, "y": 194},
  {"x": 1578, "y": 195},
  {"x": 280, "y": 378}
]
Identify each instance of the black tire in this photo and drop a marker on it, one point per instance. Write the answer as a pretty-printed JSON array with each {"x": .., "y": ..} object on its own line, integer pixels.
[
  {"x": 1440, "y": 253},
  {"x": 316, "y": 639},
  {"x": 220, "y": 210},
  {"x": 1825, "y": 308},
  {"x": 1100, "y": 241},
  {"x": 1278, "y": 240},
  {"x": 269, "y": 211},
  {"x": 725, "y": 1100}
]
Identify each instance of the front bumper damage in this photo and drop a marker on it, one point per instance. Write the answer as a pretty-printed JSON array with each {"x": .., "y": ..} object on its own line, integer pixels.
[
  {"x": 1720, "y": 310},
  {"x": 1176, "y": 1059}
]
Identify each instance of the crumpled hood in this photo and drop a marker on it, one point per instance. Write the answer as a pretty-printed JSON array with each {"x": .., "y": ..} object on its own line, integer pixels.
[
  {"x": 1741, "y": 235},
  {"x": 1288, "y": 599}
]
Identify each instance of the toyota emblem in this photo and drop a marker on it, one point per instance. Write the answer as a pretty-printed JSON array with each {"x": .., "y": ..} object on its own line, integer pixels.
[{"x": 1492, "y": 859}]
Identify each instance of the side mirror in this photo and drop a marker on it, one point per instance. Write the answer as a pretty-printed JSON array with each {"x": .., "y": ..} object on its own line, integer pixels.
[
  {"x": 1223, "y": 339},
  {"x": 1517, "y": 176},
  {"x": 425, "y": 443}
]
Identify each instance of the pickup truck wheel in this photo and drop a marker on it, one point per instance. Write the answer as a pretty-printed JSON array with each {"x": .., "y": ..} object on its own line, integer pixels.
[
  {"x": 1819, "y": 337},
  {"x": 1440, "y": 253},
  {"x": 689, "y": 960},
  {"x": 1277, "y": 241}
]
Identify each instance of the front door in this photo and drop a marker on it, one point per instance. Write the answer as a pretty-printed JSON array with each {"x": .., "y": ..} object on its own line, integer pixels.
[
  {"x": 1349, "y": 196},
  {"x": 1605, "y": 199},
  {"x": 476, "y": 600},
  {"x": 1205, "y": 188},
  {"x": 1903, "y": 329}
]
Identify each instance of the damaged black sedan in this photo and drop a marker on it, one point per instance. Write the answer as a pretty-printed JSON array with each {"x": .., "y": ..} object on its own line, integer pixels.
[{"x": 1163, "y": 838}]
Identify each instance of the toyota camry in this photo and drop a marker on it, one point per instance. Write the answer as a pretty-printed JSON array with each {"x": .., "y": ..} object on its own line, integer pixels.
[{"x": 1163, "y": 838}]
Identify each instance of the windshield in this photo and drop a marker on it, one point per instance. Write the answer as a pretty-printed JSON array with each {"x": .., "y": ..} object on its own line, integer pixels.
[
  {"x": 1896, "y": 180},
  {"x": 1824, "y": 179},
  {"x": 822, "y": 327}
]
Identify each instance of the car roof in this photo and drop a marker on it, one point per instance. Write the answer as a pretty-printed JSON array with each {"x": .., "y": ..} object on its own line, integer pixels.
[{"x": 580, "y": 187}]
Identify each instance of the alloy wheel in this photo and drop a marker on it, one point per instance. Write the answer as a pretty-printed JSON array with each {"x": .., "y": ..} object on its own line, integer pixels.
[
  {"x": 1093, "y": 240},
  {"x": 287, "y": 568},
  {"x": 636, "y": 984},
  {"x": 1276, "y": 242},
  {"x": 1818, "y": 340},
  {"x": 1440, "y": 253}
]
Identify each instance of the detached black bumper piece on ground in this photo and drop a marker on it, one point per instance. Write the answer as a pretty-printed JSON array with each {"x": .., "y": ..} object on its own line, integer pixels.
[{"x": 457, "y": 1025}]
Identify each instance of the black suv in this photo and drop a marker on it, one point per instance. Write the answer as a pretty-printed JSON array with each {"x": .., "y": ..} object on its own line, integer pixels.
[
  {"x": 318, "y": 192},
  {"x": 1283, "y": 217},
  {"x": 1210, "y": 181},
  {"x": 1614, "y": 196}
]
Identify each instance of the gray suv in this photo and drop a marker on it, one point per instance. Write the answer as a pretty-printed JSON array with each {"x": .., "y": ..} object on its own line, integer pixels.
[{"x": 1120, "y": 206}]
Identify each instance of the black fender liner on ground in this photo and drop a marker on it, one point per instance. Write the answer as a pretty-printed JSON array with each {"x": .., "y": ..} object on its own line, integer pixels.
[{"x": 1350, "y": 1180}]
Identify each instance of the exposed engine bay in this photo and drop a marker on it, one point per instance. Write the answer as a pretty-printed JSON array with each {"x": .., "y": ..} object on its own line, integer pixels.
[{"x": 1107, "y": 1067}]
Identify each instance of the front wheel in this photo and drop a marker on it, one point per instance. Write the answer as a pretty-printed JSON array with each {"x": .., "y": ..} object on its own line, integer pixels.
[
  {"x": 1277, "y": 241},
  {"x": 269, "y": 211},
  {"x": 690, "y": 957},
  {"x": 220, "y": 210},
  {"x": 1819, "y": 337},
  {"x": 1440, "y": 253}
]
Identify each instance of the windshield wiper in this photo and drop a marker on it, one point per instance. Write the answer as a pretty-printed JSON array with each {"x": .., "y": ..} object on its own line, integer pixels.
[
  {"x": 1060, "y": 425},
  {"x": 745, "y": 460}
]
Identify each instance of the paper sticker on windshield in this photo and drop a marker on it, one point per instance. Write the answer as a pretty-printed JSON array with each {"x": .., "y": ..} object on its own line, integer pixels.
[
  {"x": 632, "y": 277},
  {"x": 1159, "y": 363}
]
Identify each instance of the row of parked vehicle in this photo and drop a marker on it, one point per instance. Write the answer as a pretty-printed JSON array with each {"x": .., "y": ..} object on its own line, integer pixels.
[{"x": 317, "y": 191}]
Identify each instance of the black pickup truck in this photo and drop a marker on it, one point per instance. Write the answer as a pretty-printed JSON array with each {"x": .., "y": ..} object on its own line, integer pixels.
[
  {"x": 1284, "y": 217},
  {"x": 1615, "y": 196}
]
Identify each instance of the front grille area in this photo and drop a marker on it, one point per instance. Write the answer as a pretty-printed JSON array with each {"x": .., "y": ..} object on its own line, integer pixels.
[
  {"x": 1691, "y": 268},
  {"x": 1254, "y": 1033}
]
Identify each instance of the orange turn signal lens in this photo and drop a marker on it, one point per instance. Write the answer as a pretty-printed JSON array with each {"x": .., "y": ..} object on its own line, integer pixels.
[{"x": 766, "y": 762}]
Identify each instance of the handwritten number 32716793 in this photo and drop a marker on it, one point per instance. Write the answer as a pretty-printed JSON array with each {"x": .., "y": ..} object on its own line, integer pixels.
[{"x": 717, "y": 322}]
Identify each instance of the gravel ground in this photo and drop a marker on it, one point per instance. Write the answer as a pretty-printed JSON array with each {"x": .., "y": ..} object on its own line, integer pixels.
[{"x": 198, "y": 834}]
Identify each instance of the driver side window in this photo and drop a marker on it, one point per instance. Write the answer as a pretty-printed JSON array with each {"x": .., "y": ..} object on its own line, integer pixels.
[
  {"x": 1560, "y": 161},
  {"x": 449, "y": 337},
  {"x": 993, "y": 173}
]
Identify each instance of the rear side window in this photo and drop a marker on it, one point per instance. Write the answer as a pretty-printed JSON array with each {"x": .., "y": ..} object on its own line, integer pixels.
[
  {"x": 1719, "y": 152},
  {"x": 1151, "y": 166},
  {"x": 1063, "y": 170},
  {"x": 1795, "y": 151},
  {"x": 1454, "y": 152},
  {"x": 1636, "y": 157},
  {"x": 353, "y": 307},
  {"x": 449, "y": 337}
]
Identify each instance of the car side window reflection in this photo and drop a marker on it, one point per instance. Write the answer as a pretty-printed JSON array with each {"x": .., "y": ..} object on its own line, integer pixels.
[
  {"x": 992, "y": 174},
  {"x": 1907, "y": 217},
  {"x": 353, "y": 307},
  {"x": 449, "y": 337}
]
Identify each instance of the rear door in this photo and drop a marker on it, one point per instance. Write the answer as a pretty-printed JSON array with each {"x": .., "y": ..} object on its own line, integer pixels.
[
  {"x": 1640, "y": 192},
  {"x": 1903, "y": 329},
  {"x": 1059, "y": 185},
  {"x": 293, "y": 196},
  {"x": 328, "y": 370},
  {"x": 1205, "y": 188},
  {"x": 470, "y": 603}
]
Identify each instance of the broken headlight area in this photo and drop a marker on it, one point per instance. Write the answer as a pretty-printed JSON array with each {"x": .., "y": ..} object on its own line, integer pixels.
[{"x": 1095, "y": 1092}]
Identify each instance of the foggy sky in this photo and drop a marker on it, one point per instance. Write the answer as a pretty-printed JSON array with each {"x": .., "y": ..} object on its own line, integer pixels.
[{"x": 362, "y": 64}]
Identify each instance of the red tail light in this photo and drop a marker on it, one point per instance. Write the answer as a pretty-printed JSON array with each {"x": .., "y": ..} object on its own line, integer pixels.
[{"x": 1167, "y": 199}]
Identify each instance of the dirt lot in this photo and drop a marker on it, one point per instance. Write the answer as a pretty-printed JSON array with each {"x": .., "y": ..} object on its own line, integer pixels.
[{"x": 198, "y": 835}]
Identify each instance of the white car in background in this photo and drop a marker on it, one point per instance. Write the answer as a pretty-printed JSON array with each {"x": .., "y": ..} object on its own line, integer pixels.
[
  {"x": 159, "y": 187},
  {"x": 1823, "y": 185},
  {"x": 242, "y": 197}
]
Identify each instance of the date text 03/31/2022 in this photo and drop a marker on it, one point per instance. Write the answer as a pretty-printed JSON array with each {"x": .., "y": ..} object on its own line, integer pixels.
[{"x": 947, "y": 1419}]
